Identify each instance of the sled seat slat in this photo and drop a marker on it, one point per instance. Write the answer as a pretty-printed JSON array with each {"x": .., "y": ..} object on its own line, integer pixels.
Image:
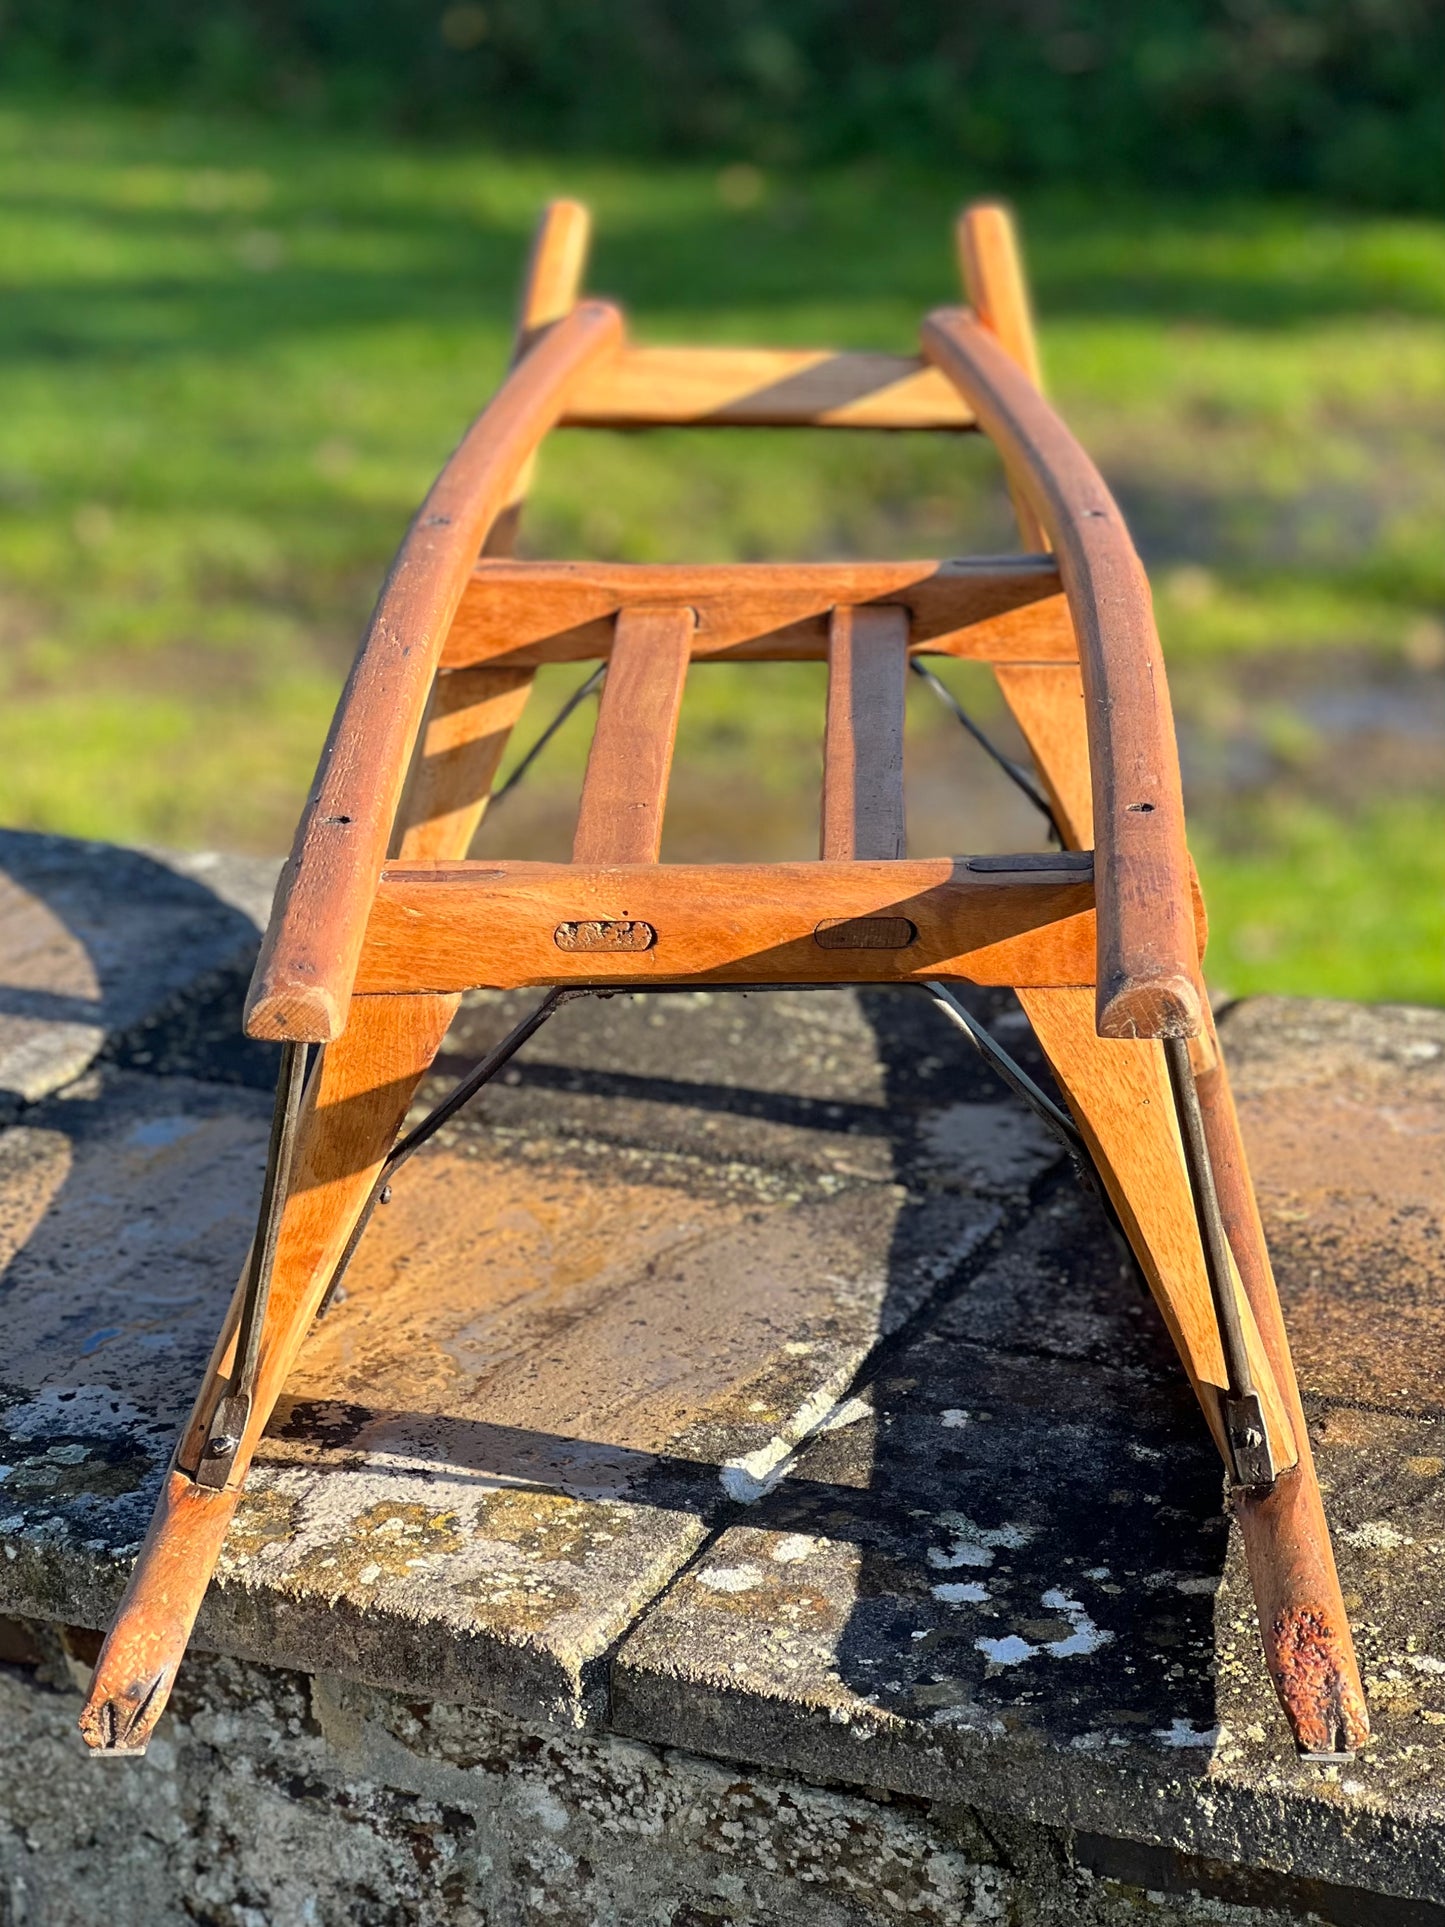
[
  {"x": 625, "y": 790},
  {"x": 987, "y": 608},
  {"x": 863, "y": 812},
  {"x": 766, "y": 388}
]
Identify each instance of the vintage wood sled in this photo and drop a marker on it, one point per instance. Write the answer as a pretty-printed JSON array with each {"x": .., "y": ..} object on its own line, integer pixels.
[{"x": 380, "y": 922}]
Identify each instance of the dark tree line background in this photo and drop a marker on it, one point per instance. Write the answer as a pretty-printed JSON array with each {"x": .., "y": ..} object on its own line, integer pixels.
[{"x": 1341, "y": 97}]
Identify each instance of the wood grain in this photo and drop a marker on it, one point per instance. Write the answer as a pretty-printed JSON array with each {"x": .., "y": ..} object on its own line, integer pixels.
[
  {"x": 308, "y": 958},
  {"x": 470, "y": 717},
  {"x": 356, "y": 1099},
  {"x": 454, "y": 926},
  {"x": 863, "y": 810},
  {"x": 624, "y": 792},
  {"x": 1007, "y": 609},
  {"x": 550, "y": 288},
  {"x": 765, "y": 387},
  {"x": 991, "y": 267},
  {"x": 1119, "y": 1093},
  {"x": 1047, "y": 703},
  {"x": 1148, "y": 980}
]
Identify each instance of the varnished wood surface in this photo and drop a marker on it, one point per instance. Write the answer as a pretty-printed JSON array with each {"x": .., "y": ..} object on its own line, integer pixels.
[
  {"x": 356, "y": 1099},
  {"x": 1118, "y": 1091},
  {"x": 624, "y": 792},
  {"x": 455, "y": 926},
  {"x": 766, "y": 387},
  {"x": 992, "y": 270},
  {"x": 1005, "y": 609},
  {"x": 471, "y": 715},
  {"x": 863, "y": 809},
  {"x": 1148, "y": 982},
  {"x": 550, "y": 288},
  {"x": 469, "y": 721},
  {"x": 308, "y": 957}
]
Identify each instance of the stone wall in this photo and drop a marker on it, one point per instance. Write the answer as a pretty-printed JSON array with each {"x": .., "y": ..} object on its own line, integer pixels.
[{"x": 744, "y": 1481}]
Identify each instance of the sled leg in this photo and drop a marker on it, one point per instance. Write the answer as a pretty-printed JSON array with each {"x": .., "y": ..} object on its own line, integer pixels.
[
  {"x": 357, "y": 1096},
  {"x": 1121, "y": 1098},
  {"x": 1302, "y": 1617}
]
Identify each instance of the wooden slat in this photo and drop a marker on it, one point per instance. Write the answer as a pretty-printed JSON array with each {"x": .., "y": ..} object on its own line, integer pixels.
[
  {"x": 304, "y": 975},
  {"x": 625, "y": 789},
  {"x": 1148, "y": 978},
  {"x": 766, "y": 387},
  {"x": 1009, "y": 609},
  {"x": 455, "y": 926},
  {"x": 863, "y": 814},
  {"x": 549, "y": 291},
  {"x": 992, "y": 268}
]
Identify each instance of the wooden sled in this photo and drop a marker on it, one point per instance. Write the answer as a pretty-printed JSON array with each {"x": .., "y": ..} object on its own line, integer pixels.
[{"x": 380, "y": 922}]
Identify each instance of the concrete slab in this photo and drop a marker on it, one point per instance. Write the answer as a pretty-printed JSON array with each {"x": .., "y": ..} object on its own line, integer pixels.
[
  {"x": 1011, "y": 1580},
  {"x": 555, "y": 1370}
]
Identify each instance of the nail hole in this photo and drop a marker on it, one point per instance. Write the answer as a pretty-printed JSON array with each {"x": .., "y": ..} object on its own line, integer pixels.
[
  {"x": 337, "y": 819},
  {"x": 1140, "y": 809}
]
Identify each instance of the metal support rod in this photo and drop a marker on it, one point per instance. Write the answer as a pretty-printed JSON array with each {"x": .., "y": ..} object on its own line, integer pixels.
[
  {"x": 1015, "y": 772},
  {"x": 480, "y": 1074},
  {"x": 582, "y": 691},
  {"x": 1251, "y": 1456},
  {"x": 1013, "y": 1074},
  {"x": 228, "y": 1423}
]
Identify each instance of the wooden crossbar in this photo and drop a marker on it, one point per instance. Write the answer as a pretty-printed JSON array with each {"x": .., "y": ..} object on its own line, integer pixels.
[
  {"x": 991, "y": 609},
  {"x": 456, "y": 926},
  {"x": 766, "y": 388}
]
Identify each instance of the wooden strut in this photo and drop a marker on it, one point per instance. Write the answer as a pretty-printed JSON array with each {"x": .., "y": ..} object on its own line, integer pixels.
[{"x": 381, "y": 922}]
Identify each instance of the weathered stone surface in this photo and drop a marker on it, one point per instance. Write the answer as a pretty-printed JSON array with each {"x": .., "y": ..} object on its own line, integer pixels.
[
  {"x": 1010, "y": 1578},
  {"x": 744, "y": 1378},
  {"x": 94, "y": 940},
  {"x": 1344, "y": 1110},
  {"x": 309, "y": 1802},
  {"x": 555, "y": 1369}
]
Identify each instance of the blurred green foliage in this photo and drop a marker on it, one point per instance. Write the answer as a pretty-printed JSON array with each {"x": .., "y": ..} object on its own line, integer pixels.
[
  {"x": 1338, "y": 96},
  {"x": 235, "y": 354}
]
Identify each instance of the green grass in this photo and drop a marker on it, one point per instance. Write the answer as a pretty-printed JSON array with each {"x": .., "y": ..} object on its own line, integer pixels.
[{"x": 234, "y": 357}]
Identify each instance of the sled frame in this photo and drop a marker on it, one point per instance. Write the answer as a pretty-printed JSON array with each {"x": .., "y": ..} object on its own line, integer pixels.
[{"x": 381, "y": 923}]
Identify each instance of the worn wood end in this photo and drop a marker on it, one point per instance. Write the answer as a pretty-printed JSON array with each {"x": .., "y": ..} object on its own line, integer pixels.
[
  {"x": 294, "y": 1014},
  {"x": 1169, "y": 1006}
]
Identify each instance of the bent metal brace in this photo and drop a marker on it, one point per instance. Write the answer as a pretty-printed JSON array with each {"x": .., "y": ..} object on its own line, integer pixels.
[{"x": 380, "y": 923}]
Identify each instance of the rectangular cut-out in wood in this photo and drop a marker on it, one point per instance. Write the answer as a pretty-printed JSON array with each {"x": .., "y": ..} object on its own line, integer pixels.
[{"x": 380, "y": 923}]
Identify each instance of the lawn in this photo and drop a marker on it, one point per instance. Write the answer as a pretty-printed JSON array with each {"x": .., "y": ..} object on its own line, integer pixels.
[{"x": 234, "y": 357}]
